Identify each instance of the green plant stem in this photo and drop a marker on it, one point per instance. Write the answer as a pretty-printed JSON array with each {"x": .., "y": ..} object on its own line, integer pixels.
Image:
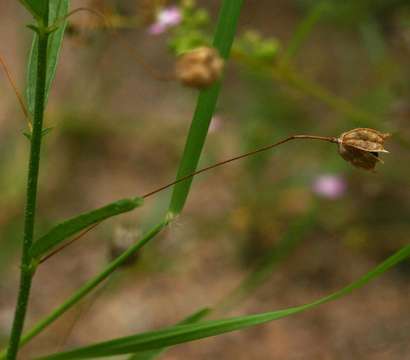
[
  {"x": 286, "y": 74},
  {"x": 27, "y": 269},
  {"x": 86, "y": 288},
  {"x": 289, "y": 76},
  {"x": 303, "y": 30}
]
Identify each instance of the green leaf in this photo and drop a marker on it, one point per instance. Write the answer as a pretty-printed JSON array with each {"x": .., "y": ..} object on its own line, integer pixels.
[
  {"x": 184, "y": 333},
  {"x": 58, "y": 10},
  {"x": 152, "y": 354},
  {"x": 206, "y": 103},
  {"x": 74, "y": 225},
  {"x": 37, "y": 8}
]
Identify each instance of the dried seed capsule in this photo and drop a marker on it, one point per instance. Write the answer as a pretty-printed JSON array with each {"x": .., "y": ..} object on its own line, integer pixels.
[
  {"x": 199, "y": 68},
  {"x": 361, "y": 147}
]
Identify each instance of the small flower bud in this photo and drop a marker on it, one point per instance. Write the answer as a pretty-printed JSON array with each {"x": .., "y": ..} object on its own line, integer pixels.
[
  {"x": 200, "y": 67},
  {"x": 361, "y": 147}
]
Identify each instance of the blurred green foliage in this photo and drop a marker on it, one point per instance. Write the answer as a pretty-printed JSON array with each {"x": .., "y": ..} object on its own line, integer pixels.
[{"x": 354, "y": 12}]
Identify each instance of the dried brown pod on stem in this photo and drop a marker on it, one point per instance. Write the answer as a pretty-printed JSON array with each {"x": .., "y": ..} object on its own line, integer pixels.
[
  {"x": 200, "y": 67},
  {"x": 362, "y": 146}
]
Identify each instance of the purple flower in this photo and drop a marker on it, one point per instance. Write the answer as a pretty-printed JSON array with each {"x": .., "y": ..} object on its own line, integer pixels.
[
  {"x": 166, "y": 18},
  {"x": 329, "y": 186}
]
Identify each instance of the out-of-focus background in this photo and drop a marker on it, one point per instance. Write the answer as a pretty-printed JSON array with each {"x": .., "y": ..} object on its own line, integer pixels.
[{"x": 296, "y": 223}]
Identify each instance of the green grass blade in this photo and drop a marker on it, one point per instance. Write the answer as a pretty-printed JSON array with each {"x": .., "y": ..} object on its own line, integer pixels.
[
  {"x": 184, "y": 333},
  {"x": 224, "y": 35},
  {"x": 58, "y": 9},
  {"x": 152, "y": 354},
  {"x": 37, "y": 8},
  {"x": 72, "y": 226}
]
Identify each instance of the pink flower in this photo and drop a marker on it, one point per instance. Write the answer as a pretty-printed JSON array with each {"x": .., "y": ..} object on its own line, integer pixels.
[
  {"x": 166, "y": 18},
  {"x": 329, "y": 186}
]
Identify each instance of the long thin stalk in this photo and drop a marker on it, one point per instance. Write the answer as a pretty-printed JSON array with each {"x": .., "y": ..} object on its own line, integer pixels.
[
  {"x": 251, "y": 153},
  {"x": 31, "y": 199}
]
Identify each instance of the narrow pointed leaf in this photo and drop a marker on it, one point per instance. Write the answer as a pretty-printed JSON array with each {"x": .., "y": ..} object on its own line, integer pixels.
[
  {"x": 72, "y": 226},
  {"x": 152, "y": 354},
  {"x": 185, "y": 333},
  {"x": 37, "y": 8},
  {"x": 58, "y": 10}
]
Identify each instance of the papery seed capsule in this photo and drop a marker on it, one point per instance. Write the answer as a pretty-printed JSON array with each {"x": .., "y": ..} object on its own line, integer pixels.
[
  {"x": 199, "y": 68},
  {"x": 361, "y": 147}
]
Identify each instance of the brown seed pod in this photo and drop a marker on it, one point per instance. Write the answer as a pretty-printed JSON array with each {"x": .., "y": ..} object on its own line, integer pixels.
[
  {"x": 361, "y": 147},
  {"x": 199, "y": 68}
]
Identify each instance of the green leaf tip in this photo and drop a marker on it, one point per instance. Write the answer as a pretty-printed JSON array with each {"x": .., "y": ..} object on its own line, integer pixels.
[
  {"x": 37, "y": 8},
  {"x": 72, "y": 226},
  {"x": 139, "y": 201}
]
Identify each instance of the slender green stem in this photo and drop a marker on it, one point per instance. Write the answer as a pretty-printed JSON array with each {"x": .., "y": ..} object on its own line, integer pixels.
[
  {"x": 89, "y": 286},
  {"x": 303, "y": 30},
  {"x": 29, "y": 217}
]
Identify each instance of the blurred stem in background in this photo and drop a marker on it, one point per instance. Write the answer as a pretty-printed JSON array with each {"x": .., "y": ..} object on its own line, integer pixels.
[
  {"x": 289, "y": 241},
  {"x": 303, "y": 30},
  {"x": 290, "y": 76}
]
